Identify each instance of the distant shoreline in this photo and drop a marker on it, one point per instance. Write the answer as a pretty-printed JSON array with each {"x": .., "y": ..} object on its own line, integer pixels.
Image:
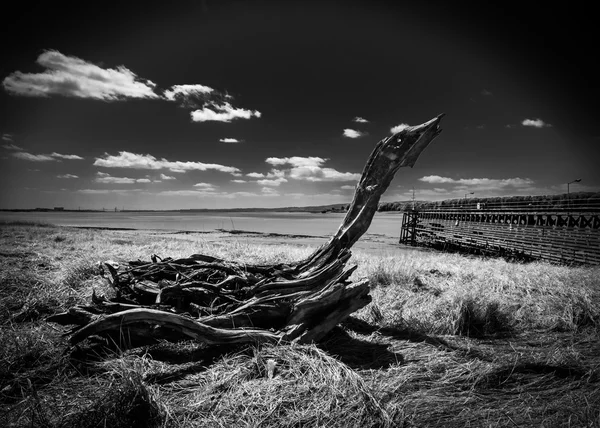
[{"x": 334, "y": 208}]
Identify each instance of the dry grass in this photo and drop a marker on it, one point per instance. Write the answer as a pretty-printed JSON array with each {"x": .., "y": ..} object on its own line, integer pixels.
[{"x": 447, "y": 341}]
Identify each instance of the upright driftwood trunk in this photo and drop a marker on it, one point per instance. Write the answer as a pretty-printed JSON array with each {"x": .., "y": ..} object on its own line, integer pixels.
[{"x": 219, "y": 302}]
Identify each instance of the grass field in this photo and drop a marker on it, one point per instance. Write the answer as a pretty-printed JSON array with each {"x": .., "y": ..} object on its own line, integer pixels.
[{"x": 448, "y": 341}]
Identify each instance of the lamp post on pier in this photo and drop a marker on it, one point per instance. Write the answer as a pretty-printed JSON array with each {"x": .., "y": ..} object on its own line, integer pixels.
[
  {"x": 470, "y": 193},
  {"x": 568, "y": 191}
]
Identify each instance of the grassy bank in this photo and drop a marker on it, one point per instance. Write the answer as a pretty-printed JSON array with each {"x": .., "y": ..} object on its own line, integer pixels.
[{"x": 447, "y": 341}]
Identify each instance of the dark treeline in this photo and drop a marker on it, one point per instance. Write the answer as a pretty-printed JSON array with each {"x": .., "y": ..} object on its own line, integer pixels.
[{"x": 575, "y": 201}]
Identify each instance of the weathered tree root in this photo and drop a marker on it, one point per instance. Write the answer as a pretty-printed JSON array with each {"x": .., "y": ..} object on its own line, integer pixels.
[{"x": 222, "y": 302}]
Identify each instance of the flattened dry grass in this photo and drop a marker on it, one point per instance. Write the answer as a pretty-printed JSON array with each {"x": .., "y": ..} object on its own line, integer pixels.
[
  {"x": 447, "y": 341},
  {"x": 452, "y": 294},
  {"x": 269, "y": 386}
]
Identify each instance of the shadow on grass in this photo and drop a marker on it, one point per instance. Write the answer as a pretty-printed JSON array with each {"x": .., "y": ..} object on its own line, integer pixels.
[
  {"x": 362, "y": 327},
  {"x": 359, "y": 354}
]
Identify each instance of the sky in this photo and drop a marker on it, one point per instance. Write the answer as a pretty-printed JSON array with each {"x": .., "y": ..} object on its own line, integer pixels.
[{"x": 233, "y": 104}]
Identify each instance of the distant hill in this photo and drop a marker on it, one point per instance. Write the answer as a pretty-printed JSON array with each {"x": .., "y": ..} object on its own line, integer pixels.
[{"x": 310, "y": 209}]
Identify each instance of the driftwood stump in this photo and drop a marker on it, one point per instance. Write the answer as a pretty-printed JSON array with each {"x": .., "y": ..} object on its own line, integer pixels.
[{"x": 221, "y": 302}]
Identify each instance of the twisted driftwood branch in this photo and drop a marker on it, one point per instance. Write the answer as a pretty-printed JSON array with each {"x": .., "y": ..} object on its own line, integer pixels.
[{"x": 221, "y": 302}]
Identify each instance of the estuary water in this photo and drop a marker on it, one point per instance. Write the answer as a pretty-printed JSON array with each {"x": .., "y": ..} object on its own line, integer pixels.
[{"x": 287, "y": 223}]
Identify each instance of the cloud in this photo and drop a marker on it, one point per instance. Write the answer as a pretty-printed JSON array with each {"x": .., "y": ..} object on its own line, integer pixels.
[
  {"x": 480, "y": 183},
  {"x": 108, "y": 179},
  {"x": 166, "y": 177},
  {"x": 437, "y": 179},
  {"x": 276, "y": 182},
  {"x": 188, "y": 192},
  {"x": 179, "y": 92},
  {"x": 238, "y": 181},
  {"x": 105, "y": 178},
  {"x": 229, "y": 140},
  {"x": 209, "y": 193},
  {"x": 536, "y": 123},
  {"x": 139, "y": 161},
  {"x": 347, "y": 187},
  {"x": 222, "y": 113},
  {"x": 482, "y": 126},
  {"x": 33, "y": 158},
  {"x": 70, "y": 76},
  {"x": 7, "y": 137},
  {"x": 274, "y": 173},
  {"x": 11, "y": 147},
  {"x": 67, "y": 176},
  {"x": 351, "y": 133},
  {"x": 106, "y": 191},
  {"x": 360, "y": 120},
  {"x": 486, "y": 93},
  {"x": 310, "y": 169},
  {"x": 40, "y": 158},
  {"x": 399, "y": 128},
  {"x": 71, "y": 157},
  {"x": 205, "y": 186}
]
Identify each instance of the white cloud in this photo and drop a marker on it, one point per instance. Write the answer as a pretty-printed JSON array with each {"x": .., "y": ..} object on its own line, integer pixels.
[
  {"x": 205, "y": 186},
  {"x": 536, "y": 123},
  {"x": 105, "y": 191},
  {"x": 238, "y": 181},
  {"x": 143, "y": 180},
  {"x": 347, "y": 187},
  {"x": 297, "y": 161},
  {"x": 480, "y": 183},
  {"x": 108, "y": 179},
  {"x": 437, "y": 179},
  {"x": 138, "y": 161},
  {"x": 71, "y": 157},
  {"x": 222, "y": 113},
  {"x": 311, "y": 169},
  {"x": 351, "y": 133},
  {"x": 11, "y": 147},
  {"x": 275, "y": 182},
  {"x": 399, "y": 128},
  {"x": 209, "y": 193},
  {"x": 485, "y": 93},
  {"x": 67, "y": 176},
  {"x": 33, "y": 158},
  {"x": 360, "y": 120},
  {"x": 7, "y": 137},
  {"x": 200, "y": 192},
  {"x": 182, "y": 91},
  {"x": 73, "y": 77},
  {"x": 229, "y": 140},
  {"x": 482, "y": 126},
  {"x": 274, "y": 173},
  {"x": 166, "y": 177}
]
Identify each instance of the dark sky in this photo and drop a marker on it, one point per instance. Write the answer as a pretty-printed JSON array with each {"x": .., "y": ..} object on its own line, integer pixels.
[{"x": 86, "y": 119}]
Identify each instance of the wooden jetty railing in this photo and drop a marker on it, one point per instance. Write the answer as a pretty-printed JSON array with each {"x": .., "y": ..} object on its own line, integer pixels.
[{"x": 565, "y": 237}]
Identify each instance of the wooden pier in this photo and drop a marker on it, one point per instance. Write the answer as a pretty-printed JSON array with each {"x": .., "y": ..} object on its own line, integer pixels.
[{"x": 561, "y": 236}]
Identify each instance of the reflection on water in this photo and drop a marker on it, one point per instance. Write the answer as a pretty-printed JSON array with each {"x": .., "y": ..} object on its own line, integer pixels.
[{"x": 317, "y": 224}]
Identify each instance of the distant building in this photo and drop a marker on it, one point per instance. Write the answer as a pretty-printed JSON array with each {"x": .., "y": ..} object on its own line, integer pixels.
[{"x": 59, "y": 208}]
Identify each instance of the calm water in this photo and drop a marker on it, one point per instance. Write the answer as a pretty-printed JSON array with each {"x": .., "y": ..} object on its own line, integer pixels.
[{"x": 267, "y": 222}]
